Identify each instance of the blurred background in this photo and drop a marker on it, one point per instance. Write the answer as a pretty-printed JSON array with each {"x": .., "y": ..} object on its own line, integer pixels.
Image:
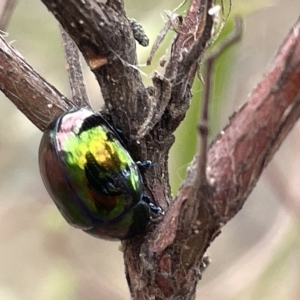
[{"x": 257, "y": 256}]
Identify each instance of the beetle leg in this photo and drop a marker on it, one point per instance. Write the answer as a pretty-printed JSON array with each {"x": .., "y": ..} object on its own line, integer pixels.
[
  {"x": 155, "y": 209},
  {"x": 146, "y": 164}
]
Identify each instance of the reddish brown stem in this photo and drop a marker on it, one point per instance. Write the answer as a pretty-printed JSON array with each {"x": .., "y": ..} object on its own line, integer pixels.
[
  {"x": 238, "y": 155},
  {"x": 36, "y": 98},
  {"x": 166, "y": 262}
]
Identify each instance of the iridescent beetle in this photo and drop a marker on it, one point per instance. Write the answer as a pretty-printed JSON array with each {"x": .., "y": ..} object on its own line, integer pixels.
[{"x": 92, "y": 178}]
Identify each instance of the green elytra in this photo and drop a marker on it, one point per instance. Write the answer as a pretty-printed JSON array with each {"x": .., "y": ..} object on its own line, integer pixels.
[{"x": 92, "y": 178}]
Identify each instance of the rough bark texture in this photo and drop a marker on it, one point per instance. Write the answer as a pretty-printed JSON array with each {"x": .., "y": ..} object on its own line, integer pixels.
[{"x": 166, "y": 262}]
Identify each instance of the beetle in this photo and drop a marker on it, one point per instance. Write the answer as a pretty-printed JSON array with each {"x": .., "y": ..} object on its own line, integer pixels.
[{"x": 92, "y": 178}]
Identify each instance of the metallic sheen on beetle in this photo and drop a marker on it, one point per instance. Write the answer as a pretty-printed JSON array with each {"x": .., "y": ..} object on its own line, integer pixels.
[{"x": 91, "y": 177}]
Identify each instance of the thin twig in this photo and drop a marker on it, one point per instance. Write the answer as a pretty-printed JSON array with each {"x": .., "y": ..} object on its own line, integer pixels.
[
  {"x": 180, "y": 5},
  {"x": 79, "y": 93},
  {"x": 6, "y": 13},
  {"x": 234, "y": 37},
  {"x": 172, "y": 19},
  {"x": 159, "y": 40}
]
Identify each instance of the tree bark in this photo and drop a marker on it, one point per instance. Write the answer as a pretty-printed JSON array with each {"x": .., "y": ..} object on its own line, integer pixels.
[{"x": 166, "y": 262}]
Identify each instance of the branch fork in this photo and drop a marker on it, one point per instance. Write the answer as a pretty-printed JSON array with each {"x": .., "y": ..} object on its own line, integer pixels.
[{"x": 172, "y": 253}]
